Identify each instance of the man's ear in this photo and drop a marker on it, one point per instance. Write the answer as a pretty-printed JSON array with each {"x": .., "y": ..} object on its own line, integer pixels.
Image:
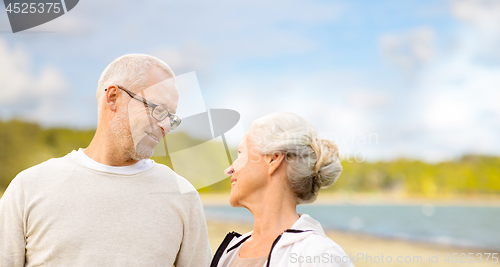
[
  {"x": 111, "y": 96},
  {"x": 275, "y": 161}
]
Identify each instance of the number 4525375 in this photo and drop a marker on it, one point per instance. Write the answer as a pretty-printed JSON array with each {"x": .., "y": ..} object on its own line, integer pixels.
[
  {"x": 471, "y": 257},
  {"x": 25, "y": 8}
]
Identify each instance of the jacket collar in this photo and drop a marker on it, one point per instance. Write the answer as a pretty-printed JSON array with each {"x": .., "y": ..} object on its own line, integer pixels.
[{"x": 302, "y": 228}]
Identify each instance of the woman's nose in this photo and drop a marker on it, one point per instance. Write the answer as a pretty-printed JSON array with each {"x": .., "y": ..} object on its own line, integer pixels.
[{"x": 229, "y": 171}]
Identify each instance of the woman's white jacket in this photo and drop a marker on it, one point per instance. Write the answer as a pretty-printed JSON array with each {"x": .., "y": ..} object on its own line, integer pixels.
[{"x": 305, "y": 244}]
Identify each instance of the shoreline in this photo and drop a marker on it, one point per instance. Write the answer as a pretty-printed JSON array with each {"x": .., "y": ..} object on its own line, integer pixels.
[
  {"x": 245, "y": 225},
  {"x": 366, "y": 244},
  {"x": 342, "y": 198}
]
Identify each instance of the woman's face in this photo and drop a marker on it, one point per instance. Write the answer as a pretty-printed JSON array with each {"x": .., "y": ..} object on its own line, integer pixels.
[{"x": 248, "y": 174}]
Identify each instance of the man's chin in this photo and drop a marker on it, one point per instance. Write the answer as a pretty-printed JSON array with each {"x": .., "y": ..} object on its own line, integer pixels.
[
  {"x": 142, "y": 154},
  {"x": 143, "y": 150}
]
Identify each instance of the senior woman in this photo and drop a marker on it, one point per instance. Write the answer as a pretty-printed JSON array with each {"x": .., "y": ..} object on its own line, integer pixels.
[{"x": 281, "y": 163}]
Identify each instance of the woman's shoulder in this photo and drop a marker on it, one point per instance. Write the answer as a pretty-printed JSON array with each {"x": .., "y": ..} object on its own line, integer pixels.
[
  {"x": 314, "y": 238},
  {"x": 318, "y": 248},
  {"x": 319, "y": 242}
]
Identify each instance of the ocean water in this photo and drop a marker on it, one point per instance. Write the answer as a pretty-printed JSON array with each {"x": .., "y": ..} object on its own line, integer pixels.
[{"x": 477, "y": 227}]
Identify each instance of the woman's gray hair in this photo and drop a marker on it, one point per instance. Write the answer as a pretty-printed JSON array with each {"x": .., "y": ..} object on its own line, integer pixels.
[{"x": 313, "y": 163}]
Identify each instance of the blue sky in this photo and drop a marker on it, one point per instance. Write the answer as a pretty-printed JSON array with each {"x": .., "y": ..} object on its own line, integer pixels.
[{"x": 421, "y": 76}]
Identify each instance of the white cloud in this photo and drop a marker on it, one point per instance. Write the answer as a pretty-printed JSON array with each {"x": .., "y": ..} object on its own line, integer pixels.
[
  {"x": 278, "y": 11},
  {"x": 369, "y": 98},
  {"x": 246, "y": 28},
  {"x": 449, "y": 107},
  {"x": 451, "y": 101},
  {"x": 4, "y": 21},
  {"x": 71, "y": 22},
  {"x": 482, "y": 19},
  {"x": 458, "y": 98},
  {"x": 446, "y": 110},
  {"x": 50, "y": 81},
  {"x": 19, "y": 84},
  {"x": 14, "y": 80},
  {"x": 304, "y": 12},
  {"x": 185, "y": 58},
  {"x": 323, "y": 98},
  {"x": 484, "y": 14},
  {"x": 409, "y": 50}
]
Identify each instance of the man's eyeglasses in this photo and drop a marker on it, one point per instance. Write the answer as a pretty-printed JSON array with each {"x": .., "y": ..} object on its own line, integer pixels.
[{"x": 158, "y": 112}]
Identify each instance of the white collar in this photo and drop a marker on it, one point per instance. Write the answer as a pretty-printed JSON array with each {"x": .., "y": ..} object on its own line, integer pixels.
[{"x": 82, "y": 158}]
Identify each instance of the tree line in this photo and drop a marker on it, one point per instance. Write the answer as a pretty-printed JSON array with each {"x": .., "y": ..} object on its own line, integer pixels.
[{"x": 24, "y": 144}]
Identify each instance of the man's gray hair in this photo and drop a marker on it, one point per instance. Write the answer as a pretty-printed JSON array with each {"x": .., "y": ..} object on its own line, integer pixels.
[{"x": 130, "y": 71}]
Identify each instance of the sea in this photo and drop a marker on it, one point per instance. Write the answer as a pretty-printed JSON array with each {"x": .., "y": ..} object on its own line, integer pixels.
[{"x": 461, "y": 226}]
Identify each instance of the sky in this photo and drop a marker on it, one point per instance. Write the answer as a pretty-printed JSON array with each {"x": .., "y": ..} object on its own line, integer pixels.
[{"x": 384, "y": 79}]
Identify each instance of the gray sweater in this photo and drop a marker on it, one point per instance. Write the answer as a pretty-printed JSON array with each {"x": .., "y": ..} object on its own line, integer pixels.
[{"x": 61, "y": 213}]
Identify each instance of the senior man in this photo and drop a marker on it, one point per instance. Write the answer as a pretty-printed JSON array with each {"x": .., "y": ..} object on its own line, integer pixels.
[{"x": 110, "y": 204}]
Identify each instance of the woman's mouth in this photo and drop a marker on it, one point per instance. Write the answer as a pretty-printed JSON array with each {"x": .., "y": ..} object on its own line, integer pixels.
[{"x": 233, "y": 182}]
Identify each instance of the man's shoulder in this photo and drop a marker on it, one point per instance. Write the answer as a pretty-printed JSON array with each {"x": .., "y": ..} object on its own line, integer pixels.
[
  {"x": 42, "y": 174},
  {"x": 163, "y": 168},
  {"x": 53, "y": 165},
  {"x": 185, "y": 187}
]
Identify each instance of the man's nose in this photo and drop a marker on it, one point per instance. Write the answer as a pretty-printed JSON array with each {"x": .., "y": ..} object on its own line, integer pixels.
[
  {"x": 229, "y": 171},
  {"x": 165, "y": 126}
]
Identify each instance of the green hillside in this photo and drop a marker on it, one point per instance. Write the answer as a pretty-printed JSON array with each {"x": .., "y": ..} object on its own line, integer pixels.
[{"x": 23, "y": 145}]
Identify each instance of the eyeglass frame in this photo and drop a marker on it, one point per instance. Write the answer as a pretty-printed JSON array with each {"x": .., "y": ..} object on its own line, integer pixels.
[{"x": 152, "y": 105}]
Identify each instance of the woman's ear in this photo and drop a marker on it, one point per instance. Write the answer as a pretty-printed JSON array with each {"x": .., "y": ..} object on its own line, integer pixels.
[
  {"x": 111, "y": 97},
  {"x": 275, "y": 161}
]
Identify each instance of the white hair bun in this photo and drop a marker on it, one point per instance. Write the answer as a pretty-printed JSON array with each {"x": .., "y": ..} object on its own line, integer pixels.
[{"x": 327, "y": 167}]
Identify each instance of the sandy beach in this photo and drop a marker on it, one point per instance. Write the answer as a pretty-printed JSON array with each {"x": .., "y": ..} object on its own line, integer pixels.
[{"x": 367, "y": 250}]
